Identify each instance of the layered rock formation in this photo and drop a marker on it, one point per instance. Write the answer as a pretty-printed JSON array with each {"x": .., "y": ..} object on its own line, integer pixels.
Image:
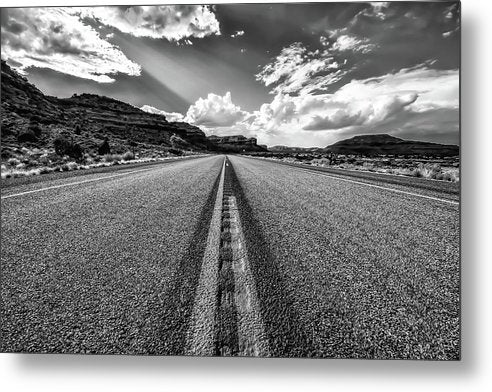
[
  {"x": 236, "y": 143},
  {"x": 88, "y": 118}
]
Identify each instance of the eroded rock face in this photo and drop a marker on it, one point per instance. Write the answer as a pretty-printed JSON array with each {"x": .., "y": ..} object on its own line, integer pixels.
[{"x": 96, "y": 116}]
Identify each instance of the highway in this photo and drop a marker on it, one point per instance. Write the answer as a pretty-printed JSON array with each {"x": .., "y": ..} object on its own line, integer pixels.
[{"x": 236, "y": 256}]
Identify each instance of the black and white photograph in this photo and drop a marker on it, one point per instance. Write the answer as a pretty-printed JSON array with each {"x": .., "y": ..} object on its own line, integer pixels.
[{"x": 268, "y": 180}]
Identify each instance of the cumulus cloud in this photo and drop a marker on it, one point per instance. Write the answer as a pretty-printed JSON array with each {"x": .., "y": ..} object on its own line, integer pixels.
[
  {"x": 170, "y": 116},
  {"x": 172, "y": 22},
  {"x": 215, "y": 111},
  {"x": 435, "y": 88},
  {"x": 366, "y": 113},
  {"x": 389, "y": 103},
  {"x": 55, "y": 38}
]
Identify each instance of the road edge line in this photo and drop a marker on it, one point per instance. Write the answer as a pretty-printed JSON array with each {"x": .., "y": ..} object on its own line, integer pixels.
[
  {"x": 73, "y": 183},
  {"x": 380, "y": 187}
]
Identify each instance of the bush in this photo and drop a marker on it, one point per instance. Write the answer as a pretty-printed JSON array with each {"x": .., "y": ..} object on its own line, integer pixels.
[
  {"x": 6, "y": 154},
  {"x": 44, "y": 160},
  {"x": 13, "y": 162},
  {"x": 62, "y": 145},
  {"x": 128, "y": 156},
  {"x": 65, "y": 147},
  {"x": 427, "y": 171},
  {"x": 175, "y": 151},
  {"x": 72, "y": 166},
  {"x": 76, "y": 151},
  {"x": 104, "y": 148},
  {"x": 112, "y": 158},
  {"x": 46, "y": 170},
  {"x": 36, "y": 129},
  {"x": 27, "y": 137}
]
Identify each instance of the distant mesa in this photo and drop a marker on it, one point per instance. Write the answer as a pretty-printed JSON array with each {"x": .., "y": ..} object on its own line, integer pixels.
[
  {"x": 383, "y": 144},
  {"x": 374, "y": 145},
  {"x": 236, "y": 143},
  {"x": 295, "y": 150}
]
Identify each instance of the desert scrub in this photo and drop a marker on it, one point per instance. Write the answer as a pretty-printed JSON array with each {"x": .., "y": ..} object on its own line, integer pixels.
[
  {"x": 64, "y": 147},
  {"x": 13, "y": 162},
  {"x": 46, "y": 170},
  {"x": 128, "y": 156},
  {"x": 110, "y": 158},
  {"x": 44, "y": 160},
  {"x": 427, "y": 171},
  {"x": 321, "y": 162}
]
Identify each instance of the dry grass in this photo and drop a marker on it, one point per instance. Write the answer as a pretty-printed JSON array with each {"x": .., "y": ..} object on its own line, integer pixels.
[
  {"x": 433, "y": 171},
  {"x": 14, "y": 168}
]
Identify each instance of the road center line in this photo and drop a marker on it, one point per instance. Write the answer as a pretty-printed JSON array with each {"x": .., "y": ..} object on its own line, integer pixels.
[
  {"x": 74, "y": 183},
  {"x": 200, "y": 339},
  {"x": 380, "y": 187},
  {"x": 226, "y": 318}
]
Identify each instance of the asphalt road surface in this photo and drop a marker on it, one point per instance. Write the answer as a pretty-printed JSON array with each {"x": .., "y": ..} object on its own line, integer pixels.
[{"x": 274, "y": 260}]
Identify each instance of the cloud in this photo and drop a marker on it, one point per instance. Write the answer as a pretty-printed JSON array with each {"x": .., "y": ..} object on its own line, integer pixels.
[
  {"x": 170, "y": 116},
  {"x": 369, "y": 114},
  {"x": 215, "y": 111},
  {"x": 238, "y": 33},
  {"x": 348, "y": 42},
  {"x": 297, "y": 70},
  {"x": 392, "y": 103},
  {"x": 55, "y": 38},
  {"x": 172, "y": 22},
  {"x": 435, "y": 88},
  {"x": 377, "y": 9},
  {"x": 301, "y": 71}
]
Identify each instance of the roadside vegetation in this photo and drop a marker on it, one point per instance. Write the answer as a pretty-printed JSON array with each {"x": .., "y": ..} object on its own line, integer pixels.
[
  {"x": 434, "y": 168},
  {"x": 67, "y": 156}
]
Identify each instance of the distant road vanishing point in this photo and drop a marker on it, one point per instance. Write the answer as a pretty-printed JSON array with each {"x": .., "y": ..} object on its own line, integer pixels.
[{"x": 232, "y": 256}]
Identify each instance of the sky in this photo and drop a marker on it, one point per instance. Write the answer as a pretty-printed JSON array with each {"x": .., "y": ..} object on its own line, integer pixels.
[{"x": 288, "y": 74}]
